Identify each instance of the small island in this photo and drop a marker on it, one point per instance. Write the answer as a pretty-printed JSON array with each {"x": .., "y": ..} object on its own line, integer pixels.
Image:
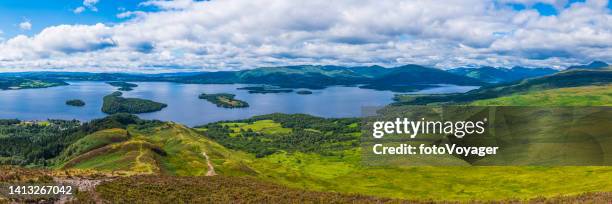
[
  {"x": 304, "y": 92},
  {"x": 75, "y": 102},
  {"x": 224, "y": 100},
  {"x": 123, "y": 86},
  {"x": 115, "y": 103},
  {"x": 265, "y": 89}
]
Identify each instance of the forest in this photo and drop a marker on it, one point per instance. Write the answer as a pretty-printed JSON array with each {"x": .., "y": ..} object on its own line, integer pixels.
[
  {"x": 307, "y": 134},
  {"x": 33, "y": 143}
]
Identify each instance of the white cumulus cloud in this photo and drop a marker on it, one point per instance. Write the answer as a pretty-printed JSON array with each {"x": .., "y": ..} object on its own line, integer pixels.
[
  {"x": 87, "y": 5},
  {"x": 237, "y": 34},
  {"x": 25, "y": 25}
]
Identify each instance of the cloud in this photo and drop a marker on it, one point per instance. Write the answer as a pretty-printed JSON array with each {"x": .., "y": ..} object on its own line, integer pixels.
[
  {"x": 130, "y": 14},
  {"x": 57, "y": 41},
  {"x": 238, "y": 34},
  {"x": 87, "y": 5},
  {"x": 79, "y": 9},
  {"x": 25, "y": 25},
  {"x": 169, "y": 5}
]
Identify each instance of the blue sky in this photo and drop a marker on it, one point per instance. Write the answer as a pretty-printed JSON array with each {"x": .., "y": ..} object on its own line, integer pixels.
[
  {"x": 45, "y": 13},
  {"x": 158, "y": 35}
]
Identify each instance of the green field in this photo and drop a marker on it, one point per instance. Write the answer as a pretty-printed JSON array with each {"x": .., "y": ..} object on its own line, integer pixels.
[
  {"x": 263, "y": 126},
  {"x": 180, "y": 151},
  {"x": 346, "y": 174},
  {"x": 342, "y": 171},
  {"x": 575, "y": 96},
  {"x": 293, "y": 156},
  {"x": 560, "y": 80}
]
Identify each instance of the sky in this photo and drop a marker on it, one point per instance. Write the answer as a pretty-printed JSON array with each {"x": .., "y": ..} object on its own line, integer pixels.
[{"x": 187, "y": 35}]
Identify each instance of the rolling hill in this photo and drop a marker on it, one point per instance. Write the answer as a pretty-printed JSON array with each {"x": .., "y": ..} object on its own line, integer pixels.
[
  {"x": 163, "y": 148},
  {"x": 276, "y": 151},
  {"x": 592, "y": 65},
  {"x": 501, "y": 75},
  {"x": 285, "y": 157},
  {"x": 564, "y": 79},
  {"x": 572, "y": 96},
  {"x": 414, "y": 77},
  {"x": 403, "y": 78}
]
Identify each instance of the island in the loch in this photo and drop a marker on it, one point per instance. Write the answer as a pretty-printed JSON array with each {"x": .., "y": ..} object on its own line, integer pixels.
[
  {"x": 75, "y": 102},
  {"x": 123, "y": 86},
  {"x": 224, "y": 100},
  {"x": 304, "y": 92},
  {"x": 264, "y": 89},
  {"x": 115, "y": 103},
  {"x": 14, "y": 83}
]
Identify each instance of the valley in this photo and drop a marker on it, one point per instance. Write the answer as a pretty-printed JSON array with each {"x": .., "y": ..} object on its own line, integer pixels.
[
  {"x": 289, "y": 157},
  {"x": 301, "y": 152}
]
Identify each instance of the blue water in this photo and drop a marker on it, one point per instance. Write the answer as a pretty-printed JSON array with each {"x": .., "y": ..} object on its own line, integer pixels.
[{"x": 185, "y": 107}]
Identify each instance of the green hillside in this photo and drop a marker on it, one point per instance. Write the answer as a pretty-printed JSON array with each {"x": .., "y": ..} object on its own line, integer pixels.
[
  {"x": 501, "y": 75},
  {"x": 296, "y": 151},
  {"x": 166, "y": 148},
  {"x": 402, "y": 78},
  {"x": 217, "y": 189},
  {"x": 335, "y": 165},
  {"x": 575, "y": 96},
  {"x": 410, "y": 78},
  {"x": 93, "y": 141},
  {"x": 565, "y": 79}
]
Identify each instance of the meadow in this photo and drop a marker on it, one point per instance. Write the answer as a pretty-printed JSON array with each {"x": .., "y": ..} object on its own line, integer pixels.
[{"x": 574, "y": 96}]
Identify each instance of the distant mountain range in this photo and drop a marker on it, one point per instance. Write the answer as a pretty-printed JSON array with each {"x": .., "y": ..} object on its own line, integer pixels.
[
  {"x": 592, "y": 65},
  {"x": 405, "y": 78}
]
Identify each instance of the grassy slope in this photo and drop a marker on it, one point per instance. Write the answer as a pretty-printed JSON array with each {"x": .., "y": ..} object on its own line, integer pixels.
[
  {"x": 173, "y": 149},
  {"x": 221, "y": 189},
  {"x": 565, "y": 79},
  {"x": 346, "y": 174},
  {"x": 93, "y": 141},
  {"x": 343, "y": 172},
  {"x": 170, "y": 149},
  {"x": 575, "y": 96},
  {"x": 217, "y": 189},
  {"x": 264, "y": 126}
]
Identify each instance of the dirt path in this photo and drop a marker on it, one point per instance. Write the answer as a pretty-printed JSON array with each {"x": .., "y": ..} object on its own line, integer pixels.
[{"x": 211, "y": 168}]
